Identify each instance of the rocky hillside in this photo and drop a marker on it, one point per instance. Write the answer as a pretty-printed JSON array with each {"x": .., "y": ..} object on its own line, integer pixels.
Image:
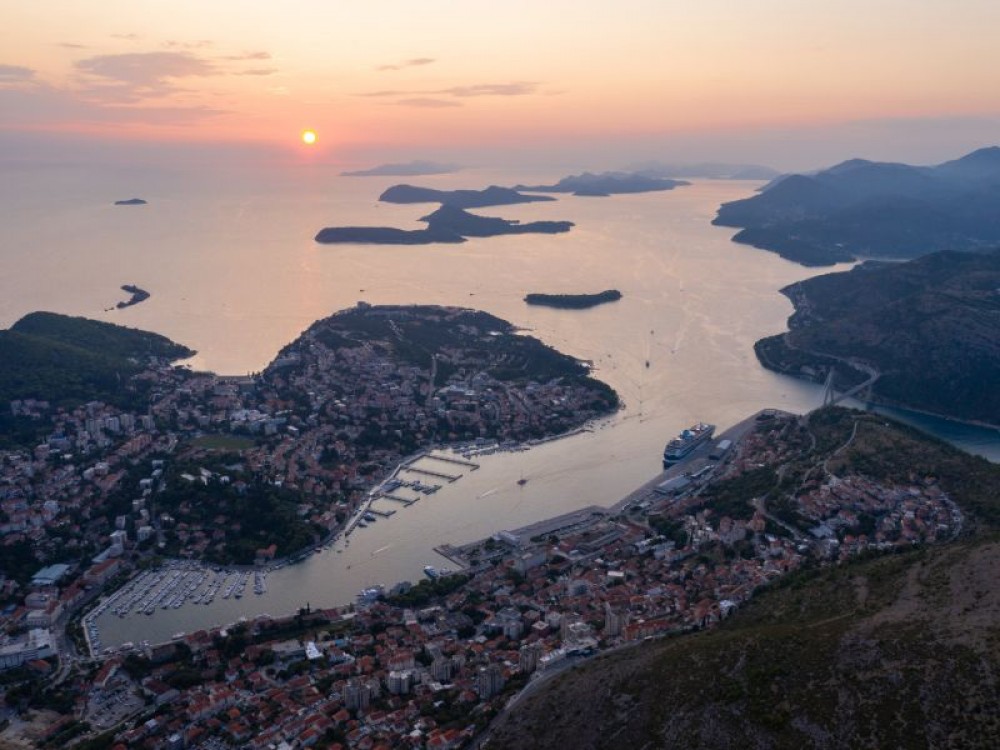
[{"x": 930, "y": 326}]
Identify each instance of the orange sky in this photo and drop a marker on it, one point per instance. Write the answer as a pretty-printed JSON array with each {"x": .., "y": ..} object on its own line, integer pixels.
[{"x": 437, "y": 73}]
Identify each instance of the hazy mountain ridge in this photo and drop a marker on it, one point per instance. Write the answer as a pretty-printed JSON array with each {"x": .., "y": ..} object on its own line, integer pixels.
[
  {"x": 860, "y": 208},
  {"x": 897, "y": 651},
  {"x": 704, "y": 171},
  {"x": 415, "y": 168},
  {"x": 931, "y": 326}
]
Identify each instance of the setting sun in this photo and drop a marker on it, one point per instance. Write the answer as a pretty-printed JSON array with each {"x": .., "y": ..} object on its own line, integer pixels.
[{"x": 309, "y": 137}]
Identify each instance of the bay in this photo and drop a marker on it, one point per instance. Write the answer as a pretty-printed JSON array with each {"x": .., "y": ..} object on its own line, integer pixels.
[{"x": 229, "y": 259}]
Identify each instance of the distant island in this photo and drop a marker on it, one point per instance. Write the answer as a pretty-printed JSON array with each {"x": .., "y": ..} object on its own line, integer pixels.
[
  {"x": 131, "y": 202},
  {"x": 574, "y": 301},
  {"x": 930, "y": 327},
  {"x": 705, "y": 171},
  {"x": 864, "y": 209},
  {"x": 138, "y": 295},
  {"x": 447, "y": 224},
  {"x": 605, "y": 184},
  {"x": 408, "y": 169},
  {"x": 491, "y": 196}
]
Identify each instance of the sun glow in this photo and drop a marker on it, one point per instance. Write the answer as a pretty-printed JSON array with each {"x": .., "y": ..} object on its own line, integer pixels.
[{"x": 309, "y": 137}]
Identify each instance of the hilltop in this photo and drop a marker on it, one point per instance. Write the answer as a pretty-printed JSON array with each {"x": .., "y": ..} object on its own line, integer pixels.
[
  {"x": 865, "y": 209},
  {"x": 930, "y": 326},
  {"x": 890, "y": 650}
]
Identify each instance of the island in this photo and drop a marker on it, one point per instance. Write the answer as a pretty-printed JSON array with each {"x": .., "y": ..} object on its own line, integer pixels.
[
  {"x": 131, "y": 202},
  {"x": 415, "y": 168},
  {"x": 705, "y": 171},
  {"x": 448, "y": 224},
  {"x": 491, "y": 196},
  {"x": 605, "y": 184},
  {"x": 928, "y": 329},
  {"x": 574, "y": 301},
  {"x": 138, "y": 295},
  {"x": 864, "y": 209}
]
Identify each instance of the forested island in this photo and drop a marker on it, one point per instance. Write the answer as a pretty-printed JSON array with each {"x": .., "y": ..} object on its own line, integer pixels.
[
  {"x": 930, "y": 327},
  {"x": 448, "y": 224},
  {"x": 864, "y": 209},
  {"x": 573, "y": 301},
  {"x": 131, "y": 202}
]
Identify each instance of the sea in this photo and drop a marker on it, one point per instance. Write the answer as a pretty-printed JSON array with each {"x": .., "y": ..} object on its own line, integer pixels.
[{"x": 229, "y": 260}]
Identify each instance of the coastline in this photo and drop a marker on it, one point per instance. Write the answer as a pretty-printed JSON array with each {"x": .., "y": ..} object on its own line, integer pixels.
[
  {"x": 372, "y": 494},
  {"x": 456, "y": 553}
]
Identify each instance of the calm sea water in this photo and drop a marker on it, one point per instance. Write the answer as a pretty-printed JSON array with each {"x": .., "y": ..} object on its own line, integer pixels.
[{"x": 234, "y": 273}]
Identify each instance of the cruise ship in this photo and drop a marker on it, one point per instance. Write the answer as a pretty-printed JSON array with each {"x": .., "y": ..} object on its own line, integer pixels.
[{"x": 686, "y": 442}]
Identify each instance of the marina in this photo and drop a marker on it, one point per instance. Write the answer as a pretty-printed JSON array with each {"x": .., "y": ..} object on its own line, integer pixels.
[{"x": 169, "y": 587}]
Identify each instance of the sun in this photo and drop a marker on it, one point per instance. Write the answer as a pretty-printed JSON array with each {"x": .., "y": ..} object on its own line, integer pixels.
[{"x": 309, "y": 137}]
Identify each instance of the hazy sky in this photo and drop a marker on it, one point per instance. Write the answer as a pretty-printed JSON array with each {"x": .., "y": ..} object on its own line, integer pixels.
[{"x": 793, "y": 83}]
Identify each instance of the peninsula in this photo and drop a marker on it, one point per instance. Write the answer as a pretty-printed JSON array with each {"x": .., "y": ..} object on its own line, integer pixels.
[
  {"x": 65, "y": 361},
  {"x": 491, "y": 196},
  {"x": 574, "y": 301},
  {"x": 282, "y": 459},
  {"x": 605, "y": 184},
  {"x": 864, "y": 209},
  {"x": 929, "y": 327},
  {"x": 448, "y": 224},
  {"x": 131, "y": 202}
]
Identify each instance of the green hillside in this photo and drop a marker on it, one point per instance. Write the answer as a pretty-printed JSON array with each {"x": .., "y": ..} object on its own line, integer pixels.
[
  {"x": 67, "y": 360},
  {"x": 931, "y": 327}
]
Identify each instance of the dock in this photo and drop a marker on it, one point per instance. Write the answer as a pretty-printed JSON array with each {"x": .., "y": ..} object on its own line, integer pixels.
[
  {"x": 405, "y": 501},
  {"x": 435, "y": 474},
  {"x": 381, "y": 513},
  {"x": 457, "y": 461}
]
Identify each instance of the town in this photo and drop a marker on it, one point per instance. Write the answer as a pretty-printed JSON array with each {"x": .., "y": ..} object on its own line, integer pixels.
[{"x": 286, "y": 458}]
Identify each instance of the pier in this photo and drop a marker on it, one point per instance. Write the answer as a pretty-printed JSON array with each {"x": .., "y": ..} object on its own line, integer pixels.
[
  {"x": 405, "y": 501},
  {"x": 381, "y": 513},
  {"x": 435, "y": 474},
  {"x": 456, "y": 461}
]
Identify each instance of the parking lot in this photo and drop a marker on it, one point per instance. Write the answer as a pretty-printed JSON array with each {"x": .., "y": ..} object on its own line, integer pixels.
[{"x": 109, "y": 706}]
